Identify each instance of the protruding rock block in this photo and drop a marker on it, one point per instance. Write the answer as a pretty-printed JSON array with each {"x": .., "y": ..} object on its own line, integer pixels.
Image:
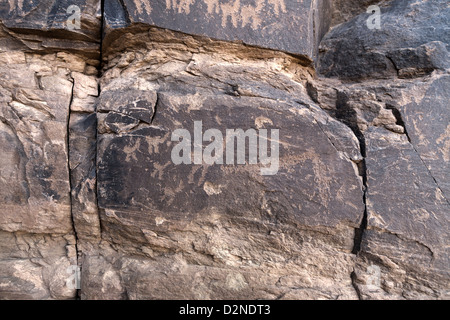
[
  {"x": 51, "y": 25},
  {"x": 170, "y": 204},
  {"x": 294, "y": 26},
  {"x": 172, "y": 169},
  {"x": 52, "y": 15},
  {"x": 412, "y": 39}
]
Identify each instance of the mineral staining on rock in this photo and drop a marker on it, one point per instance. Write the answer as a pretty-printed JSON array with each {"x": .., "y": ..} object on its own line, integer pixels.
[
  {"x": 357, "y": 208},
  {"x": 412, "y": 34},
  {"x": 35, "y": 213},
  {"x": 211, "y": 215},
  {"x": 41, "y": 81},
  {"x": 288, "y": 25}
]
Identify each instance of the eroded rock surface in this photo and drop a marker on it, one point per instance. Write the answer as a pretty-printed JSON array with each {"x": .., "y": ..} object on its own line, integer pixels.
[
  {"x": 355, "y": 207},
  {"x": 39, "y": 85},
  {"x": 293, "y": 26},
  {"x": 241, "y": 234},
  {"x": 413, "y": 40}
]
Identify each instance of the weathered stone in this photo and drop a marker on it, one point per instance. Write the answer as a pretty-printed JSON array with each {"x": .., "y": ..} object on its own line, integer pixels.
[
  {"x": 137, "y": 104},
  {"x": 85, "y": 93},
  {"x": 36, "y": 266},
  {"x": 406, "y": 183},
  {"x": 292, "y": 26},
  {"x": 186, "y": 216},
  {"x": 38, "y": 86},
  {"x": 431, "y": 142},
  {"x": 395, "y": 168},
  {"x": 150, "y": 149},
  {"x": 421, "y": 60},
  {"x": 354, "y": 51},
  {"x": 83, "y": 175},
  {"x": 356, "y": 207},
  {"x": 44, "y": 26},
  {"x": 344, "y": 10},
  {"x": 34, "y": 111}
]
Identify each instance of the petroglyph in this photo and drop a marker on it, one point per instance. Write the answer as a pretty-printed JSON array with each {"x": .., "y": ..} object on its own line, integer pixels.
[
  {"x": 232, "y": 10},
  {"x": 144, "y": 5},
  {"x": 182, "y": 6}
]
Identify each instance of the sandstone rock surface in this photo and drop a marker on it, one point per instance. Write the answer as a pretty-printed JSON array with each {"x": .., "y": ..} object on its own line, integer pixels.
[
  {"x": 340, "y": 191},
  {"x": 287, "y": 25}
]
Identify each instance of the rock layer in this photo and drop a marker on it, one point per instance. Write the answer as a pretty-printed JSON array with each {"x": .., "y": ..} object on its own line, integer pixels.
[
  {"x": 293, "y": 26},
  {"x": 356, "y": 207}
]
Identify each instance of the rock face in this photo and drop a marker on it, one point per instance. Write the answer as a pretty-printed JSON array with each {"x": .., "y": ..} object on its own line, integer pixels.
[
  {"x": 35, "y": 215},
  {"x": 412, "y": 40},
  {"x": 293, "y": 26},
  {"x": 229, "y": 224},
  {"x": 53, "y": 25},
  {"x": 167, "y": 159}
]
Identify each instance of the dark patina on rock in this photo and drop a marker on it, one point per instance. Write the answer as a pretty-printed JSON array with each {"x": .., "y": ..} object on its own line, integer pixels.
[
  {"x": 407, "y": 42},
  {"x": 288, "y": 25},
  {"x": 52, "y": 25},
  {"x": 139, "y": 182}
]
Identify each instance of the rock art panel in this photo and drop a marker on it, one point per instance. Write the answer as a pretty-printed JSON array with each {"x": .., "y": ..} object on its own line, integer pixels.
[{"x": 287, "y": 25}]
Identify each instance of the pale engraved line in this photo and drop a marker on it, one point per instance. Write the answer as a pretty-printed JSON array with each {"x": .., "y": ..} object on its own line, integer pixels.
[{"x": 239, "y": 14}]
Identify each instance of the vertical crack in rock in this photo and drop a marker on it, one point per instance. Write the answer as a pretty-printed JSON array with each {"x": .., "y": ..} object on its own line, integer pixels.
[
  {"x": 359, "y": 232},
  {"x": 155, "y": 108},
  {"x": 354, "y": 278},
  {"x": 102, "y": 26},
  {"x": 102, "y": 23},
  {"x": 96, "y": 147},
  {"x": 398, "y": 116},
  {"x": 249, "y": 236},
  {"x": 82, "y": 223},
  {"x": 77, "y": 295},
  {"x": 347, "y": 115},
  {"x": 125, "y": 11}
]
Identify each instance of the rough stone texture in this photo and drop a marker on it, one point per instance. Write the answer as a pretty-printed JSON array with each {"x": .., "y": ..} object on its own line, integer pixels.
[
  {"x": 240, "y": 234},
  {"x": 34, "y": 113},
  {"x": 38, "y": 85},
  {"x": 418, "y": 29},
  {"x": 288, "y": 25},
  {"x": 36, "y": 206},
  {"x": 42, "y": 25},
  {"x": 358, "y": 207},
  {"x": 35, "y": 266},
  {"x": 406, "y": 181},
  {"x": 344, "y": 10},
  {"x": 393, "y": 166}
]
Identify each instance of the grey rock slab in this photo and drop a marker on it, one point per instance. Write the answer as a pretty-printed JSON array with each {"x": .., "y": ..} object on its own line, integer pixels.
[
  {"x": 426, "y": 115},
  {"x": 407, "y": 236},
  {"x": 52, "y": 26},
  {"x": 395, "y": 168},
  {"x": 286, "y": 25},
  {"x": 53, "y": 15},
  {"x": 352, "y": 50}
]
